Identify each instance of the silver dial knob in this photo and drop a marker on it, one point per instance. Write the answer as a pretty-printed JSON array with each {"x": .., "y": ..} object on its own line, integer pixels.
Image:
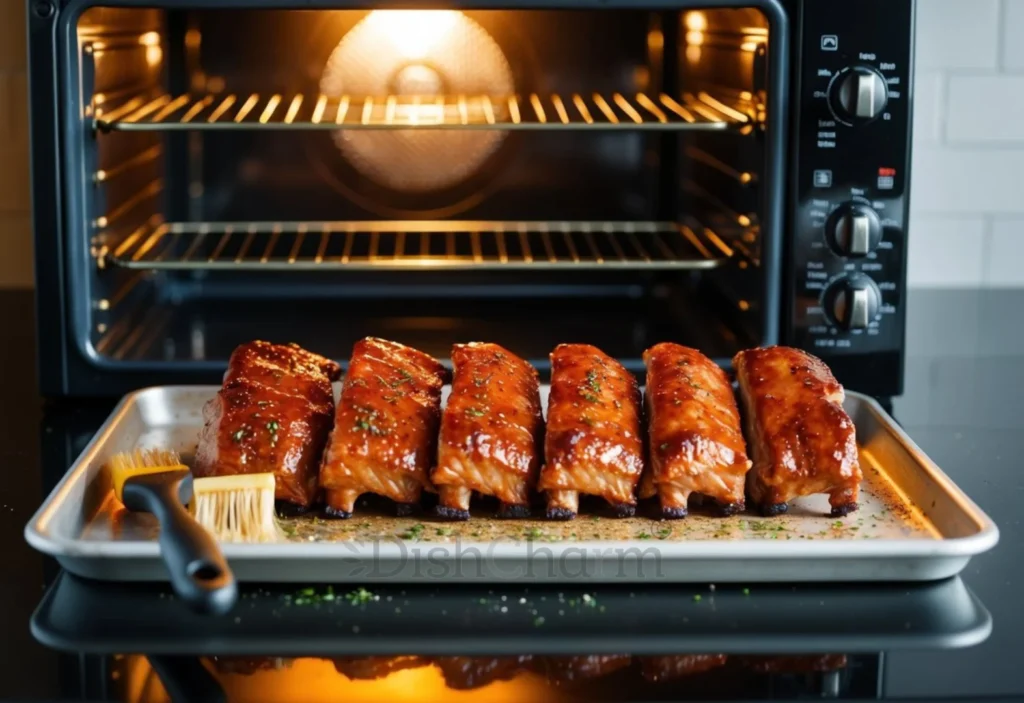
[
  {"x": 860, "y": 94},
  {"x": 853, "y": 302},
  {"x": 853, "y": 230}
]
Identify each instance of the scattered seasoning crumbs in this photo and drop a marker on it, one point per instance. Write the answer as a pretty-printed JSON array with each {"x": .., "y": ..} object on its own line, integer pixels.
[
  {"x": 414, "y": 532},
  {"x": 360, "y": 596}
]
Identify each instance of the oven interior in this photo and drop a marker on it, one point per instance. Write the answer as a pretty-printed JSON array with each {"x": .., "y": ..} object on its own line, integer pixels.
[{"x": 527, "y": 177}]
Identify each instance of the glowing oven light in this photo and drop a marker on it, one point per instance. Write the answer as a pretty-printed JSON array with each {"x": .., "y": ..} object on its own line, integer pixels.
[{"x": 412, "y": 33}]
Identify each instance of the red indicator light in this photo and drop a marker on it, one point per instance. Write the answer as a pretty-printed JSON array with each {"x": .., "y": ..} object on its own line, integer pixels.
[{"x": 886, "y": 172}]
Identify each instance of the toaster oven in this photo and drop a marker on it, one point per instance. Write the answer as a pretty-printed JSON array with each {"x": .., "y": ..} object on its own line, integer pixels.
[{"x": 717, "y": 173}]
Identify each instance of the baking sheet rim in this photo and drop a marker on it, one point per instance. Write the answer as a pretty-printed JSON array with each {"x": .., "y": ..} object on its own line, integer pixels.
[{"x": 41, "y": 538}]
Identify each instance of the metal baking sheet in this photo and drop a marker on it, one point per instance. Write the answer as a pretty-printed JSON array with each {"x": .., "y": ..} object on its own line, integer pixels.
[{"x": 914, "y": 524}]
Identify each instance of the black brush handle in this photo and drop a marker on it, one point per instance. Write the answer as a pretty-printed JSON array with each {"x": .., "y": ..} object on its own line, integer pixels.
[{"x": 198, "y": 571}]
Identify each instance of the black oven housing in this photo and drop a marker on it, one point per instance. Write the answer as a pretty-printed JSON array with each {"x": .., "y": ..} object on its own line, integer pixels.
[{"x": 801, "y": 140}]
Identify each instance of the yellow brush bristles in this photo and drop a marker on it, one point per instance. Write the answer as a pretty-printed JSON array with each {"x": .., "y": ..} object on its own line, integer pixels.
[
  {"x": 236, "y": 508},
  {"x": 139, "y": 462}
]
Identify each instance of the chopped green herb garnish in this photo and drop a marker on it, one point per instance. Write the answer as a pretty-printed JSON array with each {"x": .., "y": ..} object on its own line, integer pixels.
[
  {"x": 414, "y": 532},
  {"x": 664, "y": 533},
  {"x": 358, "y": 596},
  {"x": 592, "y": 381},
  {"x": 663, "y": 446},
  {"x": 588, "y": 421},
  {"x": 644, "y": 535},
  {"x": 272, "y": 426},
  {"x": 357, "y": 382},
  {"x": 239, "y": 435},
  {"x": 838, "y": 524},
  {"x": 481, "y": 380},
  {"x": 534, "y": 533},
  {"x": 589, "y": 397},
  {"x": 444, "y": 531},
  {"x": 475, "y": 412}
]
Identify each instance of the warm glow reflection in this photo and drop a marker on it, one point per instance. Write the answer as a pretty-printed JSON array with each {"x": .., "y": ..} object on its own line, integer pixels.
[
  {"x": 697, "y": 21},
  {"x": 693, "y": 54},
  {"x": 743, "y": 220},
  {"x": 150, "y": 39},
  {"x": 412, "y": 33},
  {"x": 316, "y": 680},
  {"x": 655, "y": 40},
  {"x": 748, "y": 46},
  {"x": 154, "y": 55},
  {"x": 694, "y": 38}
]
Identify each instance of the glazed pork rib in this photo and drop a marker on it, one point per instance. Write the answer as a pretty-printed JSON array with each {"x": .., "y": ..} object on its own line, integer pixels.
[
  {"x": 385, "y": 431},
  {"x": 696, "y": 440},
  {"x": 803, "y": 441},
  {"x": 490, "y": 433},
  {"x": 272, "y": 415},
  {"x": 594, "y": 440}
]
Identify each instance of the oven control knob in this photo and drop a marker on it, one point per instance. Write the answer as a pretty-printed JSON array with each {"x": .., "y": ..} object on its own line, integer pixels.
[
  {"x": 853, "y": 230},
  {"x": 853, "y": 302},
  {"x": 859, "y": 94}
]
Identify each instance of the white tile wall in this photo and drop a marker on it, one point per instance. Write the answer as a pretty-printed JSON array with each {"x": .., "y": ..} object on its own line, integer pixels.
[{"x": 967, "y": 194}]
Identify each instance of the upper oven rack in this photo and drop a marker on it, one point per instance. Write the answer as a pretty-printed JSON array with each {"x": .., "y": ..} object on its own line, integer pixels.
[
  {"x": 426, "y": 245},
  {"x": 231, "y": 111}
]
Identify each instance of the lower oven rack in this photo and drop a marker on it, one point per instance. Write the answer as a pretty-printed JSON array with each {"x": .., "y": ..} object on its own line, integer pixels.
[{"x": 404, "y": 245}]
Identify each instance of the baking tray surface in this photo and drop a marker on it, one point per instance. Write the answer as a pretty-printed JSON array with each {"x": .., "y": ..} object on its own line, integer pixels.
[{"x": 913, "y": 524}]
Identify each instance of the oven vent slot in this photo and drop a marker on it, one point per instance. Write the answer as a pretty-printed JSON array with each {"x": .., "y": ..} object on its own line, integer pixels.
[
  {"x": 692, "y": 111},
  {"x": 405, "y": 245}
]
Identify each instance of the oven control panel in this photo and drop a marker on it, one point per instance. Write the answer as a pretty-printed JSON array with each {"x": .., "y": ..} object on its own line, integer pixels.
[{"x": 847, "y": 269}]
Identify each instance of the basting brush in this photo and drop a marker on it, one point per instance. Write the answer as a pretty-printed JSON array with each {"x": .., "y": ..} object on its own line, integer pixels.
[
  {"x": 155, "y": 481},
  {"x": 237, "y": 508}
]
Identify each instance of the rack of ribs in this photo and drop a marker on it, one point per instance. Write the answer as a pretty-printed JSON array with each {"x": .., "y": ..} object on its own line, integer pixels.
[
  {"x": 696, "y": 440},
  {"x": 385, "y": 430},
  {"x": 594, "y": 442},
  {"x": 271, "y": 415},
  {"x": 803, "y": 441},
  {"x": 490, "y": 433}
]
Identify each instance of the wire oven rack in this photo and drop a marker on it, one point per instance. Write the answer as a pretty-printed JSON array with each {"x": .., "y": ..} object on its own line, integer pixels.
[
  {"x": 403, "y": 245},
  {"x": 691, "y": 111}
]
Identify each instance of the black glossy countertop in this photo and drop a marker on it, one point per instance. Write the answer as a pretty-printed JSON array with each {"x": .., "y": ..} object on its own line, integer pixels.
[{"x": 963, "y": 405}]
